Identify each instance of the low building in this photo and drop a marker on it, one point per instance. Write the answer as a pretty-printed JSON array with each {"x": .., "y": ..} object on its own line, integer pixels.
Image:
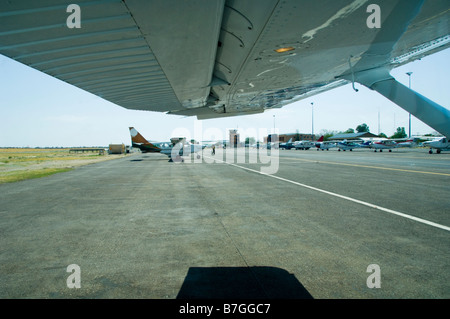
[
  {"x": 283, "y": 138},
  {"x": 116, "y": 149}
]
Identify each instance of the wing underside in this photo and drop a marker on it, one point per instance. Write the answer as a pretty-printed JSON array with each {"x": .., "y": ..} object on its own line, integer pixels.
[{"x": 216, "y": 58}]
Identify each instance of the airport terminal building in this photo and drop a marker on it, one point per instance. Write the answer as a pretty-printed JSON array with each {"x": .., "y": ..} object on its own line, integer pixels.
[{"x": 283, "y": 138}]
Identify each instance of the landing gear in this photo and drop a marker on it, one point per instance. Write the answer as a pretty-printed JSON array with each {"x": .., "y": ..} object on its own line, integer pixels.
[{"x": 177, "y": 159}]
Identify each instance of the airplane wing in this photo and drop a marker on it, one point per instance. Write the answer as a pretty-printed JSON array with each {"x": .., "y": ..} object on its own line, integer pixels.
[{"x": 216, "y": 58}]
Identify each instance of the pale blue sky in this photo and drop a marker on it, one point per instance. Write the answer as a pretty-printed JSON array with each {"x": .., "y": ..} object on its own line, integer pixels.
[{"x": 38, "y": 110}]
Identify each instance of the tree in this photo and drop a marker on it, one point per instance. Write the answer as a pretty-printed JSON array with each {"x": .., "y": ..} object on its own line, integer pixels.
[
  {"x": 250, "y": 140},
  {"x": 327, "y": 134},
  {"x": 362, "y": 128},
  {"x": 350, "y": 130},
  {"x": 400, "y": 133},
  {"x": 382, "y": 135}
]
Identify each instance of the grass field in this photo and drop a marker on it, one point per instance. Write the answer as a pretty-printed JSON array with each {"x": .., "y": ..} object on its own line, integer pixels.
[
  {"x": 18, "y": 164},
  {"x": 19, "y": 175}
]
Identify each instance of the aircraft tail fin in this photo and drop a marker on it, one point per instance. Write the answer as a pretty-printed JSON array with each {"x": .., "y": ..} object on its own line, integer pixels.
[
  {"x": 140, "y": 142},
  {"x": 320, "y": 139},
  {"x": 136, "y": 137}
]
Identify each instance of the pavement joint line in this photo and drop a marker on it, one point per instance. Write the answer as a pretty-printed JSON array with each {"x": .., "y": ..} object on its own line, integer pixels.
[
  {"x": 255, "y": 277},
  {"x": 387, "y": 210},
  {"x": 368, "y": 166}
]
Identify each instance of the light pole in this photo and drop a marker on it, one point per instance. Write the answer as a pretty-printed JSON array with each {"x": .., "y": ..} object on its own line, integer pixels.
[
  {"x": 409, "y": 75},
  {"x": 312, "y": 121}
]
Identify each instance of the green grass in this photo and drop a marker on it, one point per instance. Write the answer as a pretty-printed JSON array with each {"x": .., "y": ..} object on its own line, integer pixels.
[
  {"x": 20, "y": 175},
  {"x": 17, "y": 164}
]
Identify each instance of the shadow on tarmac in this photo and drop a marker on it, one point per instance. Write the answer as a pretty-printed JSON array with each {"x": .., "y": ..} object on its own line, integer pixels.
[
  {"x": 149, "y": 159},
  {"x": 241, "y": 283}
]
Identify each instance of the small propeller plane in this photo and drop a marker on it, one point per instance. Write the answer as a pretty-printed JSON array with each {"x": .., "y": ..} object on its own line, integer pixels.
[
  {"x": 288, "y": 145},
  {"x": 174, "y": 149},
  {"x": 321, "y": 145},
  {"x": 383, "y": 145},
  {"x": 440, "y": 145}
]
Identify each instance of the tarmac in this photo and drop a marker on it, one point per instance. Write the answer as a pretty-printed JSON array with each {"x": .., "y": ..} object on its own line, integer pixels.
[{"x": 304, "y": 224}]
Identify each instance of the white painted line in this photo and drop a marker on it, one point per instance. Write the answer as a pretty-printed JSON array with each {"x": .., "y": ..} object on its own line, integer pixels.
[{"x": 417, "y": 219}]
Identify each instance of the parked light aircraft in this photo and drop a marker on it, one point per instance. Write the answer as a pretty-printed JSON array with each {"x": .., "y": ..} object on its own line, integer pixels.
[
  {"x": 410, "y": 142},
  {"x": 303, "y": 145},
  {"x": 389, "y": 144},
  {"x": 171, "y": 149},
  {"x": 350, "y": 146},
  {"x": 321, "y": 145},
  {"x": 345, "y": 145},
  {"x": 252, "y": 55},
  {"x": 288, "y": 145},
  {"x": 442, "y": 144},
  {"x": 383, "y": 145}
]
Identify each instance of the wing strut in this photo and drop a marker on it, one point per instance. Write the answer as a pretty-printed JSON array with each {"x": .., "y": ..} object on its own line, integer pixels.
[
  {"x": 353, "y": 74},
  {"x": 429, "y": 112}
]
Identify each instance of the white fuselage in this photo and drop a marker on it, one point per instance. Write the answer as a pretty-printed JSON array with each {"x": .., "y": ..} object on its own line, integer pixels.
[
  {"x": 325, "y": 146},
  {"x": 384, "y": 145},
  {"x": 346, "y": 146},
  {"x": 303, "y": 145},
  {"x": 440, "y": 145}
]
